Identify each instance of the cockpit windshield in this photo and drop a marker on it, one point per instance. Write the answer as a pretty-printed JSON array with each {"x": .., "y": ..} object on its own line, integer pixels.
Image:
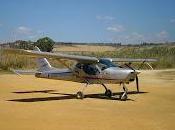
[
  {"x": 94, "y": 69},
  {"x": 106, "y": 63}
]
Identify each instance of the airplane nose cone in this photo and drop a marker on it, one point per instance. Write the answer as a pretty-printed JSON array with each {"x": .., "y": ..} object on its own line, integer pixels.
[
  {"x": 137, "y": 72},
  {"x": 133, "y": 75}
]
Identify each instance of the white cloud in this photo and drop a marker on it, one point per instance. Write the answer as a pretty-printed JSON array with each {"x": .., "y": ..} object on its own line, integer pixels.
[
  {"x": 163, "y": 34},
  {"x": 138, "y": 36},
  {"x": 172, "y": 20},
  {"x": 116, "y": 28},
  {"x": 1, "y": 24},
  {"x": 39, "y": 32},
  {"x": 105, "y": 18},
  {"x": 35, "y": 34},
  {"x": 24, "y": 30},
  {"x": 133, "y": 37}
]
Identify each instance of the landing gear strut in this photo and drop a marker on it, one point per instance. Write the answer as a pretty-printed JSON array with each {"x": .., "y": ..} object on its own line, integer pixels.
[
  {"x": 124, "y": 96},
  {"x": 108, "y": 92},
  {"x": 80, "y": 94}
]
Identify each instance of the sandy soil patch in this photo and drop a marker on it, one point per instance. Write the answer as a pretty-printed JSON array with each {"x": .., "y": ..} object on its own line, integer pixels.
[{"x": 28, "y": 103}]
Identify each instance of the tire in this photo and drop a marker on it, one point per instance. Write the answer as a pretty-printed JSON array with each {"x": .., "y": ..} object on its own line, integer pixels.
[
  {"x": 108, "y": 93},
  {"x": 124, "y": 98},
  {"x": 80, "y": 95}
]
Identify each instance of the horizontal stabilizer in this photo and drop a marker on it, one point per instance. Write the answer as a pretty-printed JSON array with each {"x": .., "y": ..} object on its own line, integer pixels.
[{"x": 24, "y": 72}]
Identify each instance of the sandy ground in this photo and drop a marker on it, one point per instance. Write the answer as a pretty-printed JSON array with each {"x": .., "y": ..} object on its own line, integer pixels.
[{"x": 28, "y": 103}]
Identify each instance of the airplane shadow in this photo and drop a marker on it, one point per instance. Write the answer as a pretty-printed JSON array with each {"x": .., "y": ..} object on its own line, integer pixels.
[
  {"x": 65, "y": 96},
  {"x": 34, "y": 91}
]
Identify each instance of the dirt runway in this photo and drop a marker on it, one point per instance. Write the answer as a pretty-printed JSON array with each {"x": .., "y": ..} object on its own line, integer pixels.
[{"x": 28, "y": 103}]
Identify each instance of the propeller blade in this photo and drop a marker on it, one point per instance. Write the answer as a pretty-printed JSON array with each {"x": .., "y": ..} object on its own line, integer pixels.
[{"x": 137, "y": 83}]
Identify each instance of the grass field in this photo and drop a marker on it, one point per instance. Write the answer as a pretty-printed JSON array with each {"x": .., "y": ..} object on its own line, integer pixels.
[
  {"x": 84, "y": 48},
  {"x": 164, "y": 53},
  {"x": 28, "y": 103}
]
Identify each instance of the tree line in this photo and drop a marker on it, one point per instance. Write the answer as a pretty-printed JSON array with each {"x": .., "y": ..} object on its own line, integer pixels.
[{"x": 45, "y": 44}]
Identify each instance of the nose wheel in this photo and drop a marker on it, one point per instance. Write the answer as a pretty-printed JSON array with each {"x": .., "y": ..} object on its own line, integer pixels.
[{"x": 124, "y": 96}]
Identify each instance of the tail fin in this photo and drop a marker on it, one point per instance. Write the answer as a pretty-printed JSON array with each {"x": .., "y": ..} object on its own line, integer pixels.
[{"x": 42, "y": 63}]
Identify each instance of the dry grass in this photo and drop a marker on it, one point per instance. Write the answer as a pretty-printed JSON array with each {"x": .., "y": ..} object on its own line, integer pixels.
[
  {"x": 85, "y": 48},
  {"x": 28, "y": 103}
]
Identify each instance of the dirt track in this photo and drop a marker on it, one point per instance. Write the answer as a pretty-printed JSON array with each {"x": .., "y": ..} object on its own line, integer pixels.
[{"x": 28, "y": 103}]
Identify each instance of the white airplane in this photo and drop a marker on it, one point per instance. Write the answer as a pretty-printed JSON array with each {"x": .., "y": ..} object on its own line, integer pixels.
[{"x": 88, "y": 70}]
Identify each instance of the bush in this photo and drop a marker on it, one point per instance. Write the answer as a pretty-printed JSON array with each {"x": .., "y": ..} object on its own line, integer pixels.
[{"x": 45, "y": 44}]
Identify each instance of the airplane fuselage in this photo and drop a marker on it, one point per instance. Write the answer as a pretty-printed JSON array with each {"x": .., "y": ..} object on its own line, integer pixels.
[{"x": 110, "y": 75}]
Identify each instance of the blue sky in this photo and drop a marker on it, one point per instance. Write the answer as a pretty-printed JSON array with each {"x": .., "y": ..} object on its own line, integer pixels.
[{"x": 126, "y": 21}]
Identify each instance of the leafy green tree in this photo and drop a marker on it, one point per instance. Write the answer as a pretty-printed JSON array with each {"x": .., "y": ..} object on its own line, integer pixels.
[{"x": 45, "y": 44}]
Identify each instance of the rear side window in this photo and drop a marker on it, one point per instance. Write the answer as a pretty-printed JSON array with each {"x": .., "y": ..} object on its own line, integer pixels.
[
  {"x": 79, "y": 65},
  {"x": 90, "y": 69}
]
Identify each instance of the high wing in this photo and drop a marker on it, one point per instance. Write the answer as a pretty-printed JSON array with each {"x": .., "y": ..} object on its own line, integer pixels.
[
  {"x": 58, "y": 56},
  {"x": 132, "y": 60}
]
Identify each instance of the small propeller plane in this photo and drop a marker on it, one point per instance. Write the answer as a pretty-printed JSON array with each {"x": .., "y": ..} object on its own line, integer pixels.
[{"x": 88, "y": 70}]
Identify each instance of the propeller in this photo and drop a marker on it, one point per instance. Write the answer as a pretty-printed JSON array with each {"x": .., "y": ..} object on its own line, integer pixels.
[
  {"x": 137, "y": 79},
  {"x": 137, "y": 83},
  {"x": 136, "y": 71}
]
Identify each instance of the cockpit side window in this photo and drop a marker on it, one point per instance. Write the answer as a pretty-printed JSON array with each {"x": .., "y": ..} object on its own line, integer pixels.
[
  {"x": 79, "y": 65},
  {"x": 90, "y": 69}
]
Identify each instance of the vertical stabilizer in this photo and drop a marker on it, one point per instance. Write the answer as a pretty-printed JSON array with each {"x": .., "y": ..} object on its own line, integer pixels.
[{"x": 42, "y": 63}]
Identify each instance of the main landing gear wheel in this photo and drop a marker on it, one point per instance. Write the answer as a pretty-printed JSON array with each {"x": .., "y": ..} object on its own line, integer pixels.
[
  {"x": 80, "y": 95},
  {"x": 108, "y": 93},
  {"x": 123, "y": 97}
]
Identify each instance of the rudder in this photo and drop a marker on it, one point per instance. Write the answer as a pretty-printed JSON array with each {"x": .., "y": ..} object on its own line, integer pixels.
[{"x": 42, "y": 63}]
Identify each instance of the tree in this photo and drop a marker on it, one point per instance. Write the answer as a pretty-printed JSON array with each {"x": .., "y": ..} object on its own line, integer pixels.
[{"x": 45, "y": 44}]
